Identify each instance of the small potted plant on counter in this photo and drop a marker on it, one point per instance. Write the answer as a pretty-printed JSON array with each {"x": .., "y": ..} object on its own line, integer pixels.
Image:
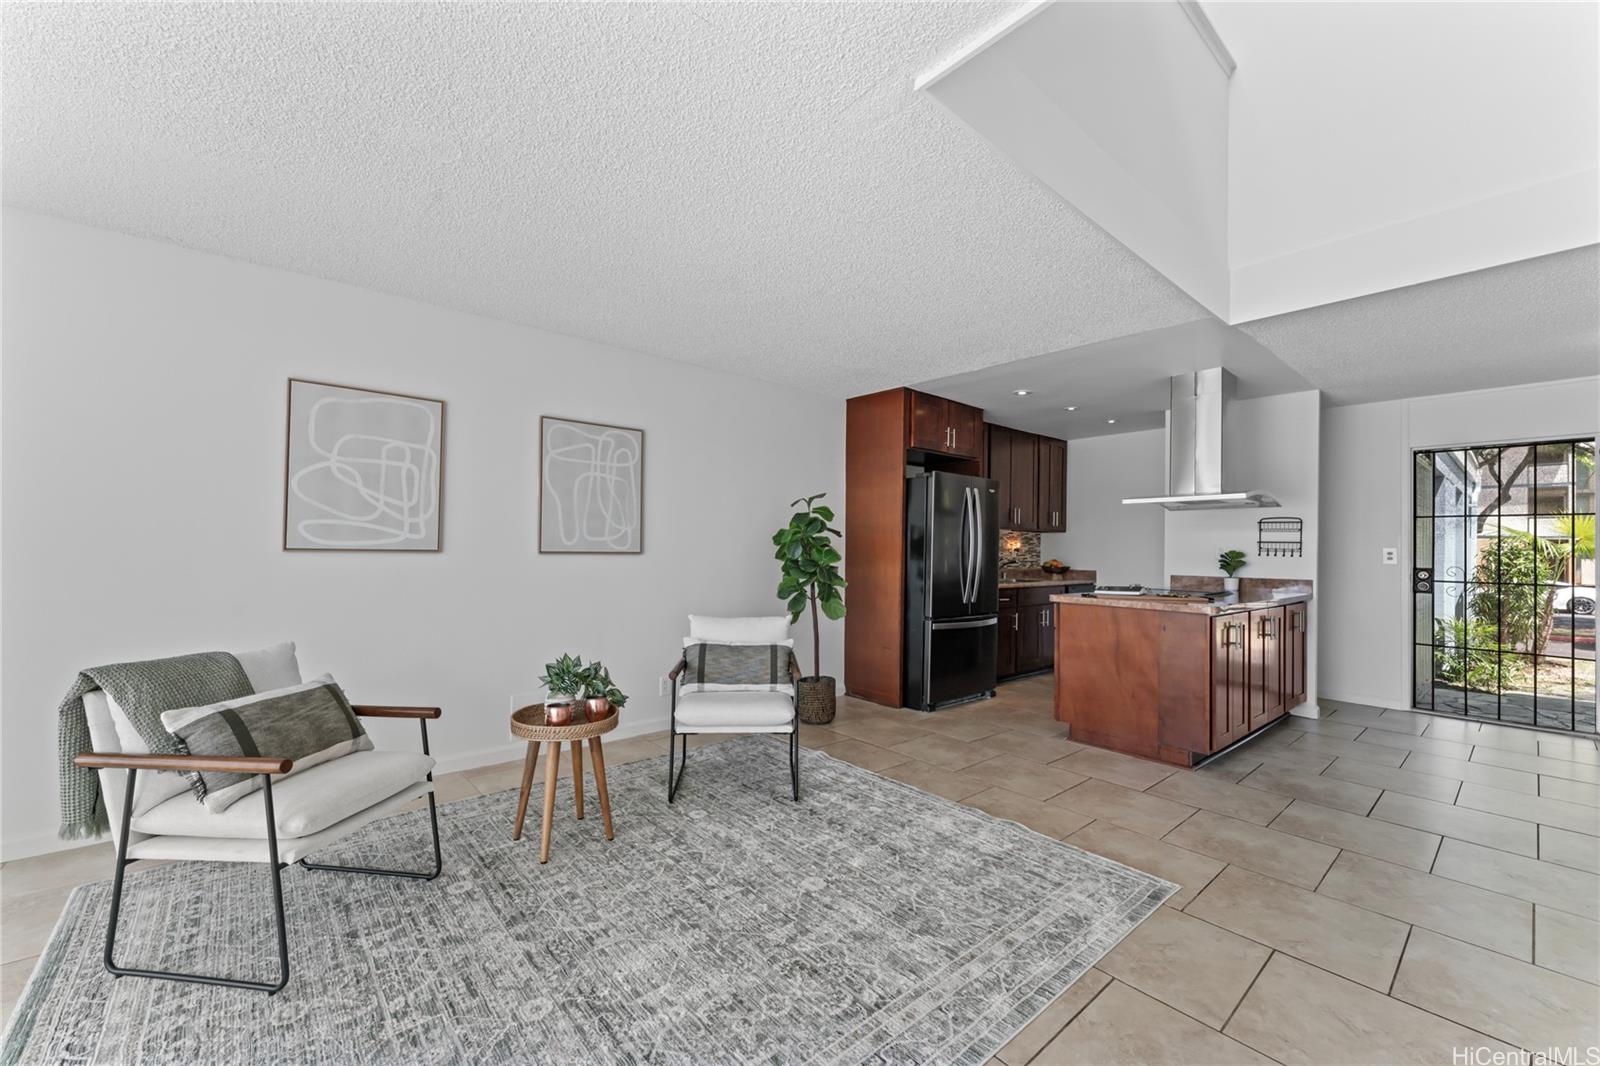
[
  {"x": 600, "y": 694},
  {"x": 811, "y": 576},
  {"x": 1231, "y": 562},
  {"x": 565, "y": 679}
]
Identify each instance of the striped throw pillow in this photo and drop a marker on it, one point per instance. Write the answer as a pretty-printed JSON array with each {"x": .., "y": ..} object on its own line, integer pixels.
[
  {"x": 310, "y": 723},
  {"x": 737, "y": 668}
]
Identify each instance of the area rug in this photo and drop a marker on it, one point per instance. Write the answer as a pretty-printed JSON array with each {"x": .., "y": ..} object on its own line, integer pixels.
[{"x": 872, "y": 921}]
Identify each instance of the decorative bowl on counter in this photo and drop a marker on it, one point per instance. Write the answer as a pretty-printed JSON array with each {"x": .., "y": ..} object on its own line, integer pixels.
[{"x": 1054, "y": 566}]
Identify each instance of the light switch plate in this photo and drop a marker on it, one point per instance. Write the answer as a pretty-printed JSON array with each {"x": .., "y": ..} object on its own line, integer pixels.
[{"x": 1391, "y": 556}]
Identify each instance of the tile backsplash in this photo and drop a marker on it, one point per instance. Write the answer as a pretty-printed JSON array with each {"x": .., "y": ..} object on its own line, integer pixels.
[{"x": 1019, "y": 550}]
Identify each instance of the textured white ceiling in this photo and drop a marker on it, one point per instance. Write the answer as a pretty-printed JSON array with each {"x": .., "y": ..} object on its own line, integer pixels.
[
  {"x": 750, "y": 187},
  {"x": 1126, "y": 380},
  {"x": 1537, "y": 320}
]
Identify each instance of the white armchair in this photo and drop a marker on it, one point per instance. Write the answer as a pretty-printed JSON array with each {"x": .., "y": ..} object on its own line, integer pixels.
[
  {"x": 157, "y": 817},
  {"x": 735, "y": 708}
]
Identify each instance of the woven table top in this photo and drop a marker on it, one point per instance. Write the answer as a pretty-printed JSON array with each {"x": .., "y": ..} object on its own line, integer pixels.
[{"x": 527, "y": 723}]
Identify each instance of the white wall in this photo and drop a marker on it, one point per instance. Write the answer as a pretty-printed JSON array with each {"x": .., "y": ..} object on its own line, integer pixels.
[
  {"x": 1366, "y": 494},
  {"x": 143, "y": 423},
  {"x": 1124, "y": 545},
  {"x": 1269, "y": 444}
]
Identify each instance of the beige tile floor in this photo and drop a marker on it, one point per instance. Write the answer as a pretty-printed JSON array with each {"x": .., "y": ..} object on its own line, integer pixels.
[{"x": 1372, "y": 886}]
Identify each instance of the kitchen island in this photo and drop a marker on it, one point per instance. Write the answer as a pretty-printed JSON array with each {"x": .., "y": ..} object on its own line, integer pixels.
[{"x": 1177, "y": 678}]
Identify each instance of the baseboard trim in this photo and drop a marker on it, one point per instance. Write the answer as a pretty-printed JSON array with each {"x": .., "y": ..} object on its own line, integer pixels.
[{"x": 1385, "y": 702}]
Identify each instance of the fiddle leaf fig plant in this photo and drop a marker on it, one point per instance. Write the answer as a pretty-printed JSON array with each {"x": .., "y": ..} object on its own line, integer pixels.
[
  {"x": 810, "y": 568},
  {"x": 1231, "y": 561}
]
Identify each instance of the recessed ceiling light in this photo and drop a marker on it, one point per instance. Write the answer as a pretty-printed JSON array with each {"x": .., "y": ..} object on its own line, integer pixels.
[
  {"x": 1069, "y": 408},
  {"x": 1111, "y": 421},
  {"x": 1021, "y": 392}
]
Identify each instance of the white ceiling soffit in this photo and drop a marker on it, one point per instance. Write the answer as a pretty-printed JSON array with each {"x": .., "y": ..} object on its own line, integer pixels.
[
  {"x": 1357, "y": 148},
  {"x": 1124, "y": 379},
  {"x": 1122, "y": 110},
  {"x": 1376, "y": 145},
  {"x": 755, "y": 188},
  {"x": 1537, "y": 320}
]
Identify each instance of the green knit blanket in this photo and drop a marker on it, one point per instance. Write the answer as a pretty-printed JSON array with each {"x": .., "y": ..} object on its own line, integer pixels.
[{"x": 143, "y": 690}]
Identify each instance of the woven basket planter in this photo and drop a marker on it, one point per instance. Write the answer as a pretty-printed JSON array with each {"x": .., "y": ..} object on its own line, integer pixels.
[{"x": 815, "y": 699}]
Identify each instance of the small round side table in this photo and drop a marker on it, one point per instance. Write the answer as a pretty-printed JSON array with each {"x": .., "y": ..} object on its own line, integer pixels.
[{"x": 527, "y": 723}]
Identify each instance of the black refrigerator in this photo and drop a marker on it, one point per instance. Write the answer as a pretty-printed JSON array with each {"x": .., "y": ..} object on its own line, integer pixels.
[{"x": 952, "y": 588}]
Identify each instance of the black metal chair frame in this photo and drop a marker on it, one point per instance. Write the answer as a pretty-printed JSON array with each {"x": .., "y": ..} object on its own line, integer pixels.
[
  {"x": 677, "y": 764},
  {"x": 276, "y": 867}
]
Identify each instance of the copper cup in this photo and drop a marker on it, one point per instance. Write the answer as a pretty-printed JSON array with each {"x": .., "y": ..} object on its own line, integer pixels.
[
  {"x": 558, "y": 714},
  {"x": 596, "y": 707}
]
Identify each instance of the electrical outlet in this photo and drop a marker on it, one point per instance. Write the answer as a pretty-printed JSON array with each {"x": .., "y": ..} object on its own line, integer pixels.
[
  {"x": 1391, "y": 557},
  {"x": 661, "y": 685}
]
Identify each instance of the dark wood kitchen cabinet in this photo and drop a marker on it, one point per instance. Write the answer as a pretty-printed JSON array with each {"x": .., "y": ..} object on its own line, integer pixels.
[
  {"x": 1010, "y": 632},
  {"x": 1052, "y": 485},
  {"x": 1032, "y": 472},
  {"x": 945, "y": 427},
  {"x": 1266, "y": 666},
  {"x": 1294, "y": 655},
  {"x": 1230, "y": 679}
]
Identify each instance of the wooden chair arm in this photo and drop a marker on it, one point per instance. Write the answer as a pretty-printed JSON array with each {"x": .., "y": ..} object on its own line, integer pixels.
[
  {"x": 683, "y": 664},
  {"x": 368, "y": 711},
  {"x": 213, "y": 764},
  {"x": 794, "y": 668}
]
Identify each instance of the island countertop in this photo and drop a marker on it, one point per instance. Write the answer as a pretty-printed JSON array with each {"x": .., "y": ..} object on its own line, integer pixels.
[{"x": 1162, "y": 603}]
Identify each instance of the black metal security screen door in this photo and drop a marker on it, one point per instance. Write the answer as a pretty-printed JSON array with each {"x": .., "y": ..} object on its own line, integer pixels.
[{"x": 1504, "y": 583}]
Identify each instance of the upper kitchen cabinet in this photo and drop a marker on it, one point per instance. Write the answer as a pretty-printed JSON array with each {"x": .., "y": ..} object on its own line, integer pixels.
[
  {"x": 1032, "y": 472},
  {"x": 1052, "y": 485},
  {"x": 945, "y": 427}
]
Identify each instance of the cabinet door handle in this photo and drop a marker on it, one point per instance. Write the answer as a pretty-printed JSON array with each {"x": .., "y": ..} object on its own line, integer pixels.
[{"x": 1014, "y": 620}]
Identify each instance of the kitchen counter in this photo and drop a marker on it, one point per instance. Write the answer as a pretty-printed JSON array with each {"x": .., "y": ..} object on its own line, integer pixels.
[
  {"x": 1069, "y": 577},
  {"x": 1163, "y": 603}
]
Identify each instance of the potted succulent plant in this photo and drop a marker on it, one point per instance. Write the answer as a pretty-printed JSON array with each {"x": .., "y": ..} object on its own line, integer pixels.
[
  {"x": 600, "y": 694},
  {"x": 1231, "y": 562},
  {"x": 811, "y": 576},
  {"x": 565, "y": 679}
]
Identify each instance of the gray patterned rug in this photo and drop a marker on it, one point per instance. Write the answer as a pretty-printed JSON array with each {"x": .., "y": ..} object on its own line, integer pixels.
[{"x": 870, "y": 922}]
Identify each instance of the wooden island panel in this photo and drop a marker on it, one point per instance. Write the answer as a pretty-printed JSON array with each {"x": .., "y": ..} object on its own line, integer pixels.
[{"x": 1132, "y": 680}]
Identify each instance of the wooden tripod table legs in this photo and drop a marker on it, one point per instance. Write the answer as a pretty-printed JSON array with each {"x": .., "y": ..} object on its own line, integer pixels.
[
  {"x": 598, "y": 758},
  {"x": 528, "y": 763},
  {"x": 552, "y": 768}
]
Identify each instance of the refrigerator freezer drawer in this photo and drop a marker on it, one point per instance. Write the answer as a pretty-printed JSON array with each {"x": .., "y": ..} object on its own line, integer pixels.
[{"x": 959, "y": 660}]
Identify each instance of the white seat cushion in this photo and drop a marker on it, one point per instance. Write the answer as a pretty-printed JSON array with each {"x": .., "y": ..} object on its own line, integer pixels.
[
  {"x": 729, "y": 711},
  {"x": 303, "y": 803}
]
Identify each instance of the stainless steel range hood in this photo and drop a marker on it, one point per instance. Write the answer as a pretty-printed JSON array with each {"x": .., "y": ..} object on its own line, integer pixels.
[{"x": 1195, "y": 424}]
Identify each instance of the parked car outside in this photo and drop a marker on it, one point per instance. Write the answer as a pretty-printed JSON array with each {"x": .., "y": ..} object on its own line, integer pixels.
[{"x": 1577, "y": 598}]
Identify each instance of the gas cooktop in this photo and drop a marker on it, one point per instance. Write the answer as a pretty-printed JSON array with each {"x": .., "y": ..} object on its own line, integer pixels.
[{"x": 1171, "y": 594}]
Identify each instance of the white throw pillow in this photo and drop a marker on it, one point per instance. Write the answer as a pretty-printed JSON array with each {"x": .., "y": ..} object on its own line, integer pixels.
[
  {"x": 271, "y": 667},
  {"x": 152, "y": 787},
  {"x": 767, "y": 629}
]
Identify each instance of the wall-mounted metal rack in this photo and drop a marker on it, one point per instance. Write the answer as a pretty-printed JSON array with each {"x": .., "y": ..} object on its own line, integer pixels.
[{"x": 1279, "y": 536}]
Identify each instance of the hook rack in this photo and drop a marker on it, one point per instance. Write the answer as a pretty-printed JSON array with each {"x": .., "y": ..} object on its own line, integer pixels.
[{"x": 1279, "y": 536}]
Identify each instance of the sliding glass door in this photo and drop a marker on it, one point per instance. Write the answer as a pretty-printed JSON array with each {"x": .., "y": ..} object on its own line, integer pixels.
[{"x": 1504, "y": 583}]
